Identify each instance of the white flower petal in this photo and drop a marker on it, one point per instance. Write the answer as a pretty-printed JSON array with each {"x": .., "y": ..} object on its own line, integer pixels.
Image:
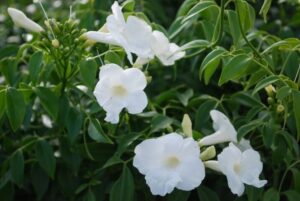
[
  {"x": 138, "y": 41},
  {"x": 134, "y": 79},
  {"x": 214, "y": 165},
  {"x": 251, "y": 167},
  {"x": 100, "y": 37},
  {"x": 160, "y": 43},
  {"x": 137, "y": 102},
  {"x": 235, "y": 184},
  {"x": 117, "y": 12},
  {"x": 110, "y": 70},
  {"x": 191, "y": 173},
  {"x": 21, "y": 20},
  {"x": 102, "y": 91},
  {"x": 224, "y": 130},
  {"x": 113, "y": 109},
  {"x": 161, "y": 184},
  {"x": 148, "y": 154}
]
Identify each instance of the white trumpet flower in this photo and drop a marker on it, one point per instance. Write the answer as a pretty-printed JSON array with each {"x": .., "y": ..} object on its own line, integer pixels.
[
  {"x": 165, "y": 51},
  {"x": 240, "y": 168},
  {"x": 134, "y": 34},
  {"x": 224, "y": 130},
  {"x": 118, "y": 88},
  {"x": 169, "y": 162},
  {"x": 21, "y": 20}
]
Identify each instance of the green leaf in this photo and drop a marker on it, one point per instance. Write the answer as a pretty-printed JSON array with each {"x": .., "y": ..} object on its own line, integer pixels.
[
  {"x": 210, "y": 64},
  {"x": 265, "y": 82},
  {"x": 202, "y": 115},
  {"x": 74, "y": 123},
  {"x": 113, "y": 57},
  {"x": 235, "y": 68},
  {"x": 198, "y": 8},
  {"x": 185, "y": 7},
  {"x": 247, "y": 15},
  {"x": 184, "y": 97},
  {"x": 34, "y": 66},
  {"x": 292, "y": 195},
  {"x": 45, "y": 156},
  {"x": 96, "y": 132},
  {"x": 9, "y": 50},
  {"x": 247, "y": 128},
  {"x": 123, "y": 188},
  {"x": 265, "y": 9},
  {"x": 206, "y": 194},
  {"x": 49, "y": 101},
  {"x": 271, "y": 195},
  {"x": 15, "y": 107},
  {"x": 160, "y": 122},
  {"x": 39, "y": 180},
  {"x": 16, "y": 163},
  {"x": 233, "y": 26},
  {"x": 128, "y": 5},
  {"x": 2, "y": 102},
  {"x": 283, "y": 92},
  {"x": 8, "y": 68},
  {"x": 88, "y": 71},
  {"x": 296, "y": 101},
  {"x": 178, "y": 195},
  {"x": 89, "y": 196}
]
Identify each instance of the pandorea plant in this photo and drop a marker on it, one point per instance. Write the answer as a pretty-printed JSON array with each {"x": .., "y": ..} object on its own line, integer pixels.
[{"x": 149, "y": 100}]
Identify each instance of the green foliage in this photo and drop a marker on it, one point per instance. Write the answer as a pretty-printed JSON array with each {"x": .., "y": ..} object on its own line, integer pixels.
[{"x": 235, "y": 50}]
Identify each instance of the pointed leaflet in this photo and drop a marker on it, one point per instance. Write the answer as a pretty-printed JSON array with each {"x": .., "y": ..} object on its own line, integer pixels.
[
  {"x": 45, "y": 156},
  {"x": 16, "y": 164},
  {"x": 15, "y": 107},
  {"x": 123, "y": 188}
]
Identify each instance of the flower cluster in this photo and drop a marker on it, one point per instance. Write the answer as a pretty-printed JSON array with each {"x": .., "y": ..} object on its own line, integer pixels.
[
  {"x": 171, "y": 161},
  {"x": 137, "y": 37}
]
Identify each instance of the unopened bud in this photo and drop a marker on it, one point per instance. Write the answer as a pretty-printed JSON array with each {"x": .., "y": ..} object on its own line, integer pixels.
[
  {"x": 55, "y": 43},
  {"x": 187, "y": 126},
  {"x": 270, "y": 100},
  {"x": 149, "y": 79},
  {"x": 270, "y": 90},
  {"x": 208, "y": 153},
  {"x": 280, "y": 108}
]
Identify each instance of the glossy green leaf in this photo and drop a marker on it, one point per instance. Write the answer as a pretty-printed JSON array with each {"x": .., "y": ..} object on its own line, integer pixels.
[
  {"x": 271, "y": 195},
  {"x": 178, "y": 195},
  {"x": 88, "y": 71},
  {"x": 210, "y": 64},
  {"x": 96, "y": 132},
  {"x": 34, "y": 66},
  {"x": 292, "y": 195},
  {"x": 265, "y": 82},
  {"x": 233, "y": 26},
  {"x": 39, "y": 180},
  {"x": 17, "y": 167},
  {"x": 45, "y": 156},
  {"x": 49, "y": 100},
  {"x": 296, "y": 104},
  {"x": 184, "y": 97},
  {"x": 206, "y": 194},
  {"x": 15, "y": 107},
  {"x": 247, "y": 15},
  {"x": 123, "y": 188},
  {"x": 247, "y": 128},
  {"x": 2, "y": 102},
  {"x": 74, "y": 123},
  {"x": 235, "y": 68},
  {"x": 265, "y": 9},
  {"x": 198, "y": 8}
]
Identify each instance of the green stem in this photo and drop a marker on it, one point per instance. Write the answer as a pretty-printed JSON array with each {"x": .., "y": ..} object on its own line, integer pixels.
[{"x": 285, "y": 173}]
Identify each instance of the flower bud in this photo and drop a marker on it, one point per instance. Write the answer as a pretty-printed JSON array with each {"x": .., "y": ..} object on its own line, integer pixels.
[
  {"x": 270, "y": 90},
  {"x": 55, "y": 43},
  {"x": 208, "y": 153},
  {"x": 270, "y": 100},
  {"x": 187, "y": 126},
  {"x": 280, "y": 108},
  {"x": 21, "y": 20}
]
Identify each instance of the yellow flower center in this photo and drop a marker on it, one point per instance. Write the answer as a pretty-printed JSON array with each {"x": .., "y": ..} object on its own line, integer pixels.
[
  {"x": 172, "y": 162},
  {"x": 119, "y": 90},
  {"x": 237, "y": 167}
]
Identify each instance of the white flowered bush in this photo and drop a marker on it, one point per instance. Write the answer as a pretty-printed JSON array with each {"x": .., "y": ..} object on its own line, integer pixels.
[{"x": 89, "y": 112}]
